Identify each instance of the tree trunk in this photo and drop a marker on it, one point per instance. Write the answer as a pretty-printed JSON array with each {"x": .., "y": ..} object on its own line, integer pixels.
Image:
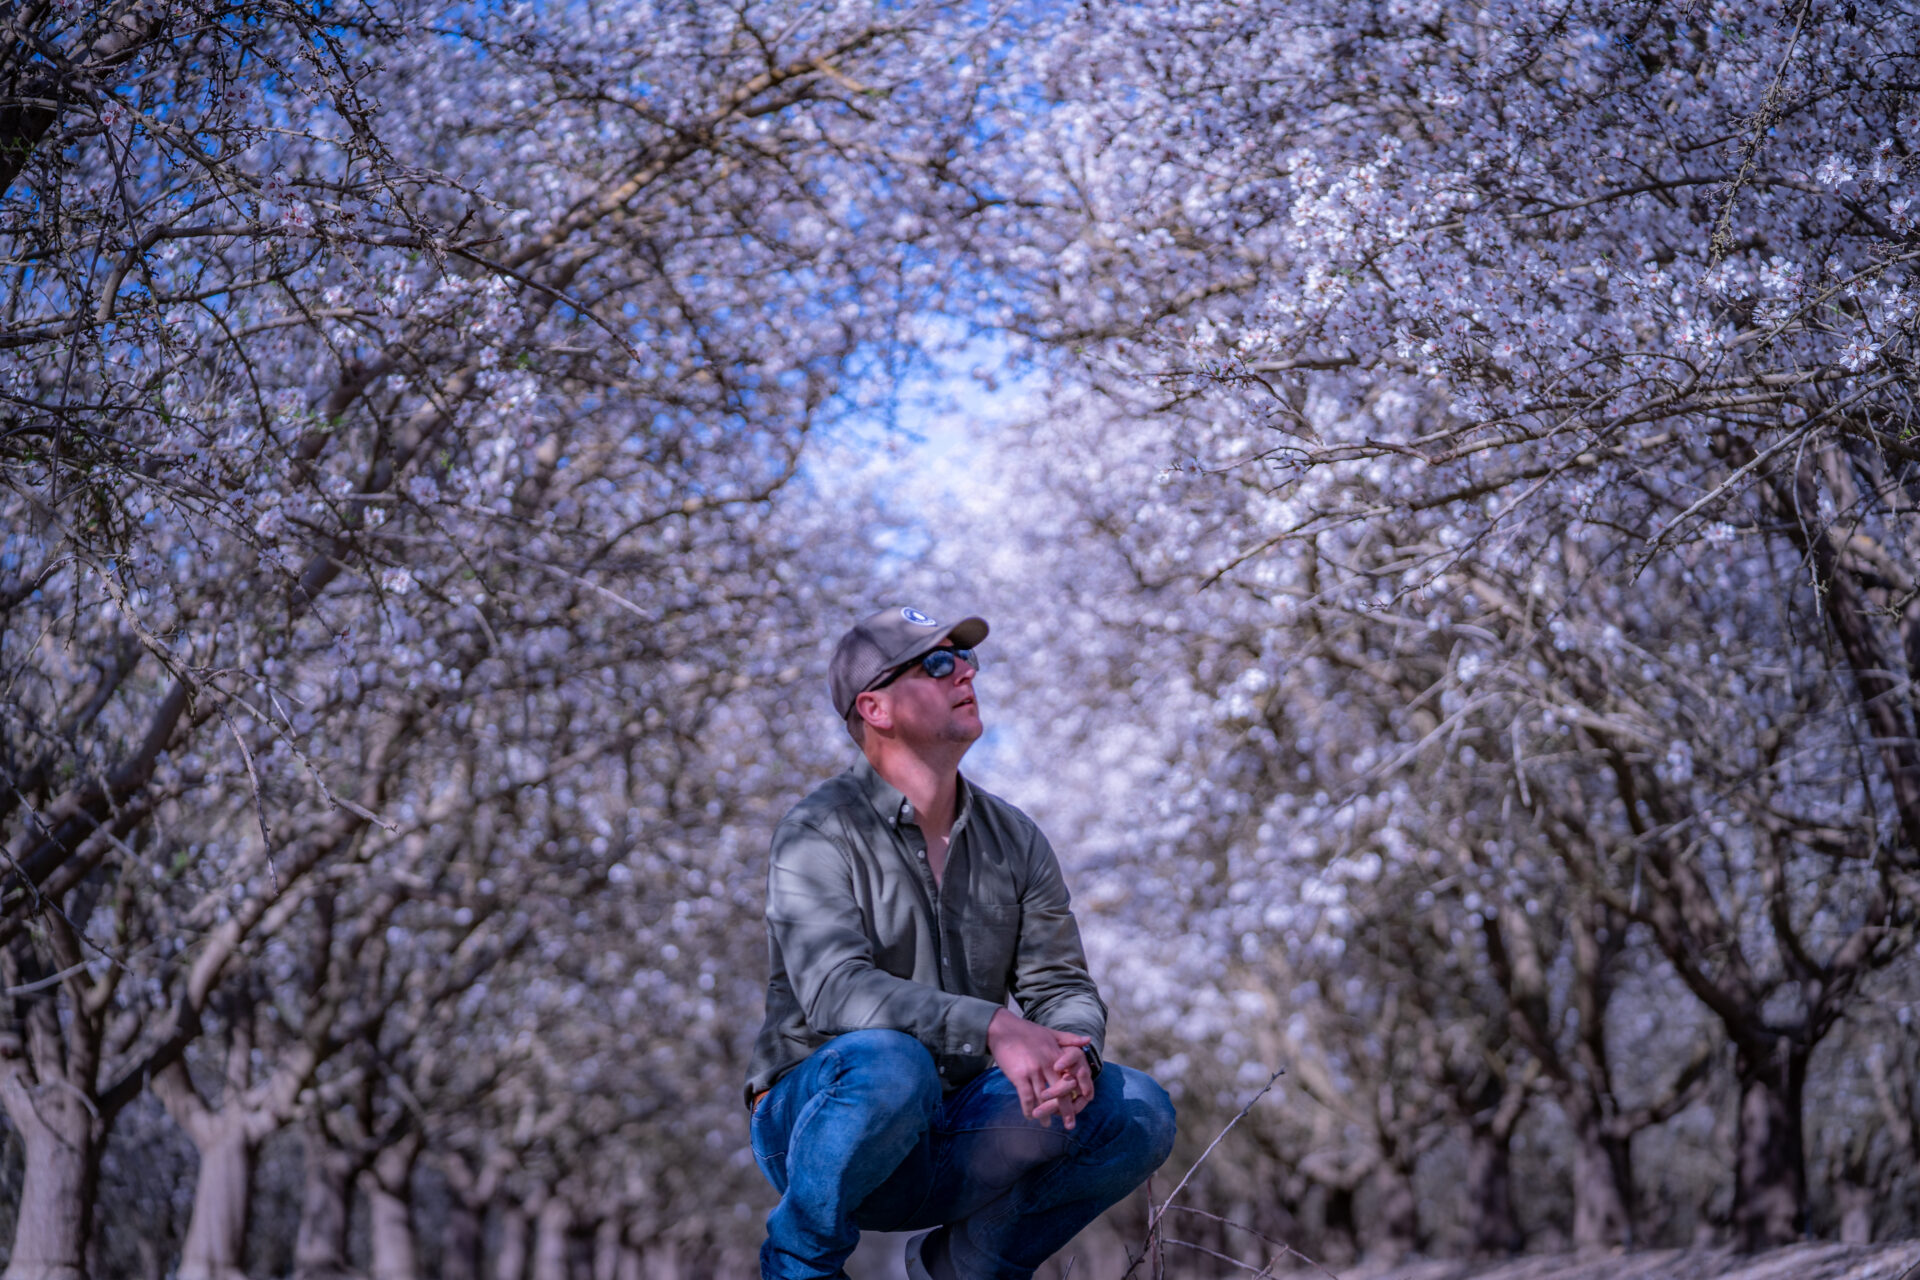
[
  {"x": 1770, "y": 1187},
  {"x": 470, "y": 1188},
  {"x": 1340, "y": 1226},
  {"x": 1394, "y": 1225},
  {"x": 320, "y": 1250},
  {"x": 511, "y": 1262},
  {"x": 1602, "y": 1187},
  {"x": 155, "y": 1258},
  {"x": 606, "y": 1248},
  {"x": 550, "y": 1239},
  {"x": 215, "y": 1247},
  {"x": 663, "y": 1261},
  {"x": 390, "y": 1211},
  {"x": 54, "y": 1218},
  {"x": 227, "y": 1139},
  {"x": 1496, "y": 1231},
  {"x": 460, "y": 1242},
  {"x": 1856, "y": 1213},
  {"x": 390, "y": 1219}
]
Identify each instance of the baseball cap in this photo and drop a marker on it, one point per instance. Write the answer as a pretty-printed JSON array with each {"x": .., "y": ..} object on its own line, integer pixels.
[{"x": 884, "y": 640}]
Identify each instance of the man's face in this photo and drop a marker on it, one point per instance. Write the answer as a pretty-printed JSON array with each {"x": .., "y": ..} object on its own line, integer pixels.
[{"x": 930, "y": 710}]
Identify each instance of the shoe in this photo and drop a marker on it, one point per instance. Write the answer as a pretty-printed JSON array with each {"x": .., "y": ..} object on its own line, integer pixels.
[{"x": 916, "y": 1269}]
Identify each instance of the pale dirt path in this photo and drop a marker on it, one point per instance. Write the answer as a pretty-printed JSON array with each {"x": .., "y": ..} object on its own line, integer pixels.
[
  {"x": 1799, "y": 1262},
  {"x": 879, "y": 1259}
]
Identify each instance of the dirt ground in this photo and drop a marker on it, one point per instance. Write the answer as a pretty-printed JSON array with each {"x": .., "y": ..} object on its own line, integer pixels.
[
  {"x": 1800, "y": 1262},
  {"x": 879, "y": 1259}
]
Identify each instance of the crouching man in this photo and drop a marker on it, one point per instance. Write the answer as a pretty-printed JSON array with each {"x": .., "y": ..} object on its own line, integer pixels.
[{"x": 892, "y": 1088}]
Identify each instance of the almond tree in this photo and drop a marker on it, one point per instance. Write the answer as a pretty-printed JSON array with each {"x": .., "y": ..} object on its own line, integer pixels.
[
  {"x": 368, "y": 369},
  {"x": 1442, "y": 287}
]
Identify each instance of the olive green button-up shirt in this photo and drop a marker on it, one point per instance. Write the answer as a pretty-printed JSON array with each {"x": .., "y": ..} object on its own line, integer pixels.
[{"x": 859, "y": 936}]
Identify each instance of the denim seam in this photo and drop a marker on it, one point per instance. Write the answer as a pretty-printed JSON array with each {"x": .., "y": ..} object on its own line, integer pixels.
[
  {"x": 806, "y": 1113},
  {"x": 765, "y": 1155}
]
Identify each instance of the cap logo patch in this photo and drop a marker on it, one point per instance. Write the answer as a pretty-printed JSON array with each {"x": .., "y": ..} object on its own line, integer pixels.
[{"x": 918, "y": 618}]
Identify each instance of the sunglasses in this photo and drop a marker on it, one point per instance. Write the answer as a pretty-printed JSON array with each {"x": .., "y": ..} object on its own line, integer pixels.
[{"x": 938, "y": 663}]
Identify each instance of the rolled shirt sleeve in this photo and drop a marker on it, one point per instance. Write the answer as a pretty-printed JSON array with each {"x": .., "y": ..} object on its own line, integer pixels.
[{"x": 1050, "y": 978}]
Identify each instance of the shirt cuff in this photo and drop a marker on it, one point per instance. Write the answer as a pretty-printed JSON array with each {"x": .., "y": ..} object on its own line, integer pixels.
[{"x": 967, "y": 1023}]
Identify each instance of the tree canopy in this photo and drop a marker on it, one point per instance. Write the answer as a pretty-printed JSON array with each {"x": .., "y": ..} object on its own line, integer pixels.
[{"x": 1452, "y": 540}]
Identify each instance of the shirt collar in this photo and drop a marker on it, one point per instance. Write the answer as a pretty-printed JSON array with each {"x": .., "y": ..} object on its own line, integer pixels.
[{"x": 894, "y": 807}]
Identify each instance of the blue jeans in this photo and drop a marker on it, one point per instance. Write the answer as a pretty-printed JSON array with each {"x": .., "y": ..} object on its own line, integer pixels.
[{"x": 859, "y": 1137}]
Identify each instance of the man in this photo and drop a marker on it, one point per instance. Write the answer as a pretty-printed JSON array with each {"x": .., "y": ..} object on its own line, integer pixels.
[{"x": 892, "y": 1087}]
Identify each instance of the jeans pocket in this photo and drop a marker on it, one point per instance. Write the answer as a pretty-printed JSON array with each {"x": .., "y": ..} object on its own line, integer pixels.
[{"x": 765, "y": 1137}]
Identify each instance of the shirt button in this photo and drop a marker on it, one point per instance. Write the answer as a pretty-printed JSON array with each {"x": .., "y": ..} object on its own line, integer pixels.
[{"x": 966, "y": 1048}]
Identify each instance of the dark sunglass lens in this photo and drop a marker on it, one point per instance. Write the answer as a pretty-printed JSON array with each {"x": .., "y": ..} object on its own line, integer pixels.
[{"x": 939, "y": 663}]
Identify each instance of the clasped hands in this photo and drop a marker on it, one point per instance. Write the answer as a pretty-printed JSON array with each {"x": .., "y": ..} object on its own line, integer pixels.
[{"x": 1046, "y": 1067}]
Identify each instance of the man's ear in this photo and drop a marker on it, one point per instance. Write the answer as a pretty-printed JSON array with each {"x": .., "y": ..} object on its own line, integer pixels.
[{"x": 874, "y": 710}]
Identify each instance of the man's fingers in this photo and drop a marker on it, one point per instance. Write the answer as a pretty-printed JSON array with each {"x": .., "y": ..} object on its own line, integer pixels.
[
  {"x": 1072, "y": 1065},
  {"x": 1048, "y": 1071},
  {"x": 1029, "y": 1096},
  {"x": 1062, "y": 1086},
  {"x": 1066, "y": 1092},
  {"x": 1061, "y": 1107},
  {"x": 1077, "y": 1083},
  {"x": 1048, "y": 1097}
]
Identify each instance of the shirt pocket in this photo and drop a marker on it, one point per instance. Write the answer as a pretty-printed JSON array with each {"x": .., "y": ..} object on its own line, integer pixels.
[{"x": 990, "y": 938}]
